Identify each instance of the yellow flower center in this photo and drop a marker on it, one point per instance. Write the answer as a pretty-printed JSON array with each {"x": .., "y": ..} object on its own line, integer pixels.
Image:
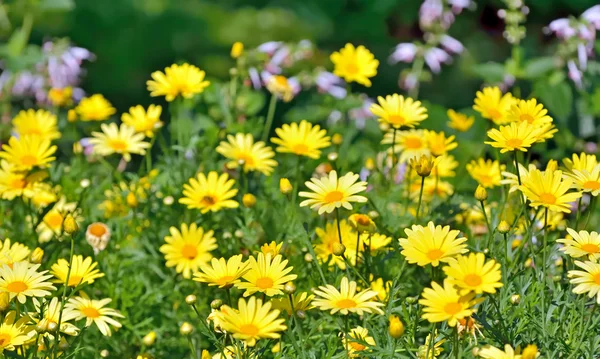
[
  {"x": 249, "y": 329},
  {"x": 413, "y": 143},
  {"x": 334, "y": 196},
  {"x": 547, "y": 198},
  {"x": 485, "y": 179},
  {"x": 300, "y": 149},
  {"x": 224, "y": 280},
  {"x": 452, "y": 308},
  {"x": 357, "y": 346},
  {"x": 5, "y": 338},
  {"x": 345, "y": 303},
  {"x": 527, "y": 117},
  {"x": 97, "y": 229},
  {"x": 590, "y": 248},
  {"x": 117, "y": 145},
  {"x": 363, "y": 220},
  {"x": 90, "y": 312},
  {"x": 208, "y": 200},
  {"x": 472, "y": 280},
  {"x": 494, "y": 114},
  {"x": 593, "y": 185},
  {"x": 17, "y": 286},
  {"x": 597, "y": 278},
  {"x": 29, "y": 160},
  {"x": 396, "y": 120},
  {"x": 248, "y": 160},
  {"x": 514, "y": 142},
  {"x": 264, "y": 283},
  {"x": 435, "y": 254},
  {"x": 74, "y": 280},
  {"x": 18, "y": 183},
  {"x": 352, "y": 68},
  {"x": 281, "y": 81},
  {"x": 54, "y": 220},
  {"x": 189, "y": 251}
]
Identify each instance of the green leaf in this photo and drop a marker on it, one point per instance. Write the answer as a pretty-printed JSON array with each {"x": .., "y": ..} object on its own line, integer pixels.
[
  {"x": 558, "y": 98},
  {"x": 57, "y": 5},
  {"x": 538, "y": 67},
  {"x": 490, "y": 72}
]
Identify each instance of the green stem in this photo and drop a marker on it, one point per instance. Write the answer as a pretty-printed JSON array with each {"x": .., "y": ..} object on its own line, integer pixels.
[
  {"x": 337, "y": 219},
  {"x": 544, "y": 272},
  {"x": 420, "y": 198},
  {"x": 270, "y": 116},
  {"x": 347, "y": 331},
  {"x": 489, "y": 225},
  {"x": 393, "y": 156},
  {"x": 578, "y": 213},
  {"x": 64, "y": 295},
  {"x": 431, "y": 342},
  {"x": 456, "y": 348},
  {"x": 296, "y": 182}
]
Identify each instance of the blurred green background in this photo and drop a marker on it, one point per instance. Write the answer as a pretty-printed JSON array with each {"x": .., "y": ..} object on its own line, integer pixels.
[{"x": 132, "y": 38}]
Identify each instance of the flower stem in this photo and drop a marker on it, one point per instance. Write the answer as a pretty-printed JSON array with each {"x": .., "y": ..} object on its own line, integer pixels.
[
  {"x": 64, "y": 295},
  {"x": 347, "y": 331},
  {"x": 456, "y": 347},
  {"x": 420, "y": 198},
  {"x": 544, "y": 272},
  {"x": 393, "y": 156},
  {"x": 337, "y": 219},
  {"x": 270, "y": 116},
  {"x": 489, "y": 225}
]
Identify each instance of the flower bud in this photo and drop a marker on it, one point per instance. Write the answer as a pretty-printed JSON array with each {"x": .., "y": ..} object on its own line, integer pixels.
[
  {"x": 337, "y": 139},
  {"x": 52, "y": 327},
  {"x": 4, "y": 301},
  {"x": 289, "y": 288},
  {"x": 249, "y": 200},
  {"x": 216, "y": 304},
  {"x": 503, "y": 227},
  {"x": 308, "y": 257},
  {"x": 71, "y": 116},
  {"x": 190, "y": 299},
  {"x": 551, "y": 167},
  {"x": 238, "y": 233},
  {"x": 515, "y": 299},
  {"x": 41, "y": 327},
  {"x": 63, "y": 345},
  {"x": 186, "y": 328},
  {"x": 169, "y": 200},
  {"x": 237, "y": 49},
  {"x": 411, "y": 300},
  {"x": 36, "y": 256},
  {"x": 481, "y": 194},
  {"x": 530, "y": 352},
  {"x": 85, "y": 183},
  {"x": 332, "y": 157},
  {"x": 300, "y": 314},
  {"x": 285, "y": 186},
  {"x": 423, "y": 165},
  {"x": 132, "y": 200},
  {"x": 104, "y": 353},
  {"x": 70, "y": 225},
  {"x": 396, "y": 327},
  {"x": 149, "y": 338},
  {"x": 206, "y": 354},
  {"x": 370, "y": 164},
  {"x": 338, "y": 249}
]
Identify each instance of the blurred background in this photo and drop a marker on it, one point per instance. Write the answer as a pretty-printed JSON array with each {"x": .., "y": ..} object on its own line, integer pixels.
[{"x": 132, "y": 38}]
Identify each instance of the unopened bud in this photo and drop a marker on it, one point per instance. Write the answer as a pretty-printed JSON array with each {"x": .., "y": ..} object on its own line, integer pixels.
[
  {"x": 285, "y": 186},
  {"x": 337, "y": 139},
  {"x": 411, "y": 300},
  {"x": 4, "y": 301},
  {"x": 396, "y": 328},
  {"x": 52, "y": 327},
  {"x": 132, "y": 200},
  {"x": 530, "y": 352},
  {"x": 104, "y": 353},
  {"x": 481, "y": 194},
  {"x": 515, "y": 299},
  {"x": 36, "y": 256},
  {"x": 238, "y": 233},
  {"x": 149, "y": 338},
  {"x": 289, "y": 288},
  {"x": 186, "y": 328},
  {"x": 169, "y": 200},
  {"x": 300, "y": 314},
  {"x": 423, "y": 165},
  {"x": 70, "y": 225},
  {"x": 308, "y": 257},
  {"x": 503, "y": 227},
  {"x": 332, "y": 157},
  {"x": 190, "y": 299},
  {"x": 339, "y": 249},
  {"x": 249, "y": 200},
  {"x": 216, "y": 304}
]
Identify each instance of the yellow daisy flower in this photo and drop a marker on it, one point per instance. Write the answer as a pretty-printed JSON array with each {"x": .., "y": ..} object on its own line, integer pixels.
[
  {"x": 221, "y": 272},
  {"x": 272, "y": 248},
  {"x": 252, "y": 321},
  {"x": 13, "y": 331},
  {"x": 375, "y": 242},
  {"x": 355, "y": 64},
  {"x": 587, "y": 280},
  {"x": 473, "y": 273},
  {"x": 362, "y": 223},
  {"x": 548, "y": 189},
  {"x": 583, "y": 162},
  {"x": 514, "y": 136},
  {"x": 432, "y": 188},
  {"x": 397, "y": 111},
  {"x": 267, "y": 275},
  {"x": 582, "y": 243},
  {"x": 487, "y": 173},
  {"x": 61, "y": 97},
  {"x": 122, "y": 140},
  {"x": 94, "y": 108},
  {"x": 97, "y": 235},
  {"x": 279, "y": 86},
  {"x": 382, "y": 288},
  {"x": 588, "y": 182},
  {"x": 438, "y": 143},
  {"x": 301, "y": 301},
  {"x": 42, "y": 194},
  {"x": 302, "y": 140},
  {"x": 432, "y": 244},
  {"x": 50, "y": 313},
  {"x": 84, "y": 271},
  {"x": 189, "y": 249},
  {"x": 27, "y": 152},
  {"x": 330, "y": 192},
  {"x": 36, "y": 123},
  {"x": 446, "y": 304},
  {"x": 459, "y": 121},
  {"x": 254, "y": 156},
  {"x": 410, "y": 144},
  {"x": 529, "y": 111},
  {"x": 493, "y": 105},
  {"x": 178, "y": 80},
  {"x": 347, "y": 299},
  {"x": 52, "y": 223},
  {"x": 444, "y": 167},
  {"x": 357, "y": 341},
  {"x": 95, "y": 311},
  {"x": 237, "y": 49},
  {"x": 490, "y": 352},
  {"x": 12, "y": 253},
  {"x": 328, "y": 237},
  {"x": 428, "y": 351},
  {"x": 209, "y": 193},
  {"x": 13, "y": 183},
  {"x": 143, "y": 121},
  {"x": 22, "y": 281}
]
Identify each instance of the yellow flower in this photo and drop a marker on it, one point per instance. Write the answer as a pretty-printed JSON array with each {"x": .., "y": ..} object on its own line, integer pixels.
[
  {"x": 13, "y": 253},
  {"x": 362, "y": 223},
  {"x": 548, "y": 189},
  {"x": 142, "y": 121},
  {"x": 583, "y": 162},
  {"x": 94, "y": 108},
  {"x": 95, "y": 311},
  {"x": 491, "y": 352},
  {"x": 396, "y": 327},
  {"x": 301, "y": 302},
  {"x": 431, "y": 245},
  {"x": 267, "y": 275},
  {"x": 587, "y": 280},
  {"x": 382, "y": 288},
  {"x": 494, "y": 106},
  {"x": 122, "y": 140},
  {"x": 428, "y": 351},
  {"x": 486, "y": 172},
  {"x": 27, "y": 152},
  {"x": 242, "y": 150},
  {"x": 272, "y": 248},
  {"x": 252, "y": 321},
  {"x": 438, "y": 143},
  {"x": 355, "y": 64},
  {"x": 473, "y": 273},
  {"x": 302, "y": 140},
  {"x": 328, "y": 237},
  {"x": 13, "y": 332},
  {"x": 582, "y": 243},
  {"x": 375, "y": 242},
  {"x": 410, "y": 144},
  {"x": 444, "y": 166},
  {"x": 50, "y": 313},
  {"x": 36, "y": 123},
  {"x": 13, "y": 183},
  {"x": 52, "y": 223},
  {"x": 281, "y": 87},
  {"x": 459, "y": 121},
  {"x": 587, "y": 181},
  {"x": 221, "y": 272},
  {"x": 285, "y": 186},
  {"x": 530, "y": 352},
  {"x": 347, "y": 299},
  {"x": 84, "y": 271},
  {"x": 397, "y": 111},
  {"x": 178, "y": 80},
  {"x": 331, "y": 192},
  {"x": 446, "y": 304},
  {"x": 514, "y": 136},
  {"x": 60, "y": 97},
  {"x": 357, "y": 341},
  {"x": 237, "y": 49},
  {"x": 189, "y": 249},
  {"x": 22, "y": 280},
  {"x": 209, "y": 193},
  {"x": 529, "y": 111}
]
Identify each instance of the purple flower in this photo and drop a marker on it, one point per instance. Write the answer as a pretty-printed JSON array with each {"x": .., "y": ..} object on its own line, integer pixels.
[
  {"x": 404, "y": 52},
  {"x": 451, "y": 44},
  {"x": 280, "y": 55},
  {"x": 459, "y": 5},
  {"x": 562, "y": 28},
  {"x": 269, "y": 47},
  {"x": 591, "y": 147},
  {"x": 64, "y": 63},
  {"x": 575, "y": 74},
  {"x": 587, "y": 33},
  {"x": 361, "y": 114},
  {"x": 409, "y": 82},
  {"x": 430, "y": 12},
  {"x": 434, "y": 57},
  {"x": 582, "y": 56},
  {"x": 254, "y": 78},
  {"x": 295, "y": 85},
  {"x": 330, "y": 83},
  {"x": 592, "y": 15}
]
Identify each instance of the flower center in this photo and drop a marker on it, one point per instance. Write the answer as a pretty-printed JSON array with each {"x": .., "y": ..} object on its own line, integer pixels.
[
  {"x": 189, "y": 251},
  {"x": 494, "y": 114},
  {"x": 281, "y": 81},
  {"x": 363, "y": 220},
  {"x": 435, "y": 254},
  {"x": 90, "y": 312},
  {"x": 208, "y": 200},
  {"x": 97, "y": 229},
  {"x": 472, "y": 280},
  {"x": 300, "y": 149},
  {"x": 514, "y": 142},
  {"x": 527, "y": 117},
  {"x": 352, "y": 68},
  {"x": 117, "y": 145},
  {"x": 74, "y": 280},
  {"x": 29, "y": 160},
  {"x": 54, "y": 220},
  {"x": 345, "y": 303},
  {"x": 485, "y": 179},
  {"x": 452, "y": 308},
  {"x": 593, "y": 185},
  {"x": 18, "y": 183},
  {"x": 413, "y": 143},
  {"x": 396, "y": 120},
  {"x": 357, "y": 346},
  {"x": 17, "y": 286},
  {"x": 597, "y": 278},
  {"x": 248, "y": 160},
  {"x": 249, "y": 329},
  {"x": 264, "y": 283},
  {"x": 224, "y": 280},
  {"x": 334, "y": 196},
  {"x": 5, "y": 338},
  {"x": 590, "y": 248},
  {"x": 547, "y": 198}
]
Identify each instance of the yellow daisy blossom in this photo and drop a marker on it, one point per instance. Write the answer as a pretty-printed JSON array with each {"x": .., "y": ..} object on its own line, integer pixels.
[
  {"x": 548, "y": 189},
  {"x": 22, "y": 281},
  {"x": 27, "y": 152},
  {"x": 12, "y": 253},
  {"x": 382, "y": 288},
  {"x": 279, "y": 86},
  {"x": 221, "y": 272},
  {"x": 529, "y": 111},
  {"x": 301, "y": 301},
  {"x": 493, "y": 105},
  {"x": 255, "y": 156},
  {"x": 13, "y": 331},
  {"x": 266, "y": 275},
  {"x": 13, "y": 183},
  {"x": 143, "y": 121},
  {"x": 61, "y": 97},
  {"x": 357, "y": 341},
  {"x": 52, "y": 223},
  {"x": 513, "y": 137},
  {"x": 188, "y": 249},
  {"x": 397, "y": 111},
  {"x": 487, "y": 173},
  {"x": 330, "y": 192},
  {"x": 122, "y": 140},
  {"x": 581, "y": 162},
  {"x": 346, "y": 299},
  {"x": 50, "y": 313},
  {"x": 209, "y": 193},
  {"x": 178, "y": 80},
  {"x": 582, "y": 243},
  {"x": 305, "y": 139},
  {"x": 95, "y": 311},
  {"x": 490, "y": 352},
  {"x": 432, "y": 244},
  {"x": 84, "y": 271},
  {"x": 375, "y": 242},
  {"x": 362, "y": 223},
  {"x": 272, "y": 248},
  {"x": 438, "y": 143},
  {"x": 473, "y": 273},
  {"x": 587, "y": 280},
  {"x": 587, "y": 181},
  {"x": 355, "y": 64},
  {"x": 444, "y": 167},
  {"x": 36, "y": 123},
  {"x": 410, "y": 144},
  {"x": 94, "y": 108},
  {"x": 327, "y": 239},
  {"x": 446, "y": 304},
  {"x": 429, "y": 351},
  {"x": 459, "y": 121}
]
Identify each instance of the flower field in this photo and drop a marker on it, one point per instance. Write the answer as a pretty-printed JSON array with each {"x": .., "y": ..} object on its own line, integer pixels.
[{"x": 284, "y": 213}]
